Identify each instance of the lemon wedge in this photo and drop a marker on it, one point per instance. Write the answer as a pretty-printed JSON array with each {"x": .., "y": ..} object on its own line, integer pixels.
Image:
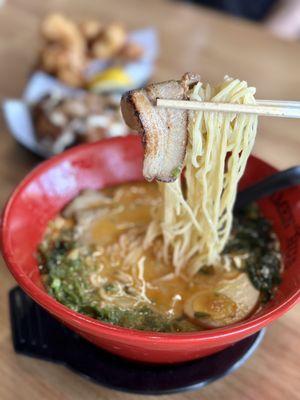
[{"x": 110, "y": 79}]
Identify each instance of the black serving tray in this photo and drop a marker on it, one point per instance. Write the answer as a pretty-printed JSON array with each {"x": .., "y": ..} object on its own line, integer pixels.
[{"x": 36, "y": 333}]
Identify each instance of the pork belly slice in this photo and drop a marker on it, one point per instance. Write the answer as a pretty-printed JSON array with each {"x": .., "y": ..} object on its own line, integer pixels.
[{"x": 164, "y": 131}]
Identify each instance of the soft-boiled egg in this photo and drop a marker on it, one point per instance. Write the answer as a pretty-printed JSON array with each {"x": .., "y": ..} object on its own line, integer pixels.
[{"x": 231, "y": 301}]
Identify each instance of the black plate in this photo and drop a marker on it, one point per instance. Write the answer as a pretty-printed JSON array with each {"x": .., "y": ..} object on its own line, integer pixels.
[{"x": 37, "y": 334}]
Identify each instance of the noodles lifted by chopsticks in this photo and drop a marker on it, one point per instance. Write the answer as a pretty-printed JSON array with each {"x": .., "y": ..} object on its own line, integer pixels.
[{"x": 196, "y": 217}]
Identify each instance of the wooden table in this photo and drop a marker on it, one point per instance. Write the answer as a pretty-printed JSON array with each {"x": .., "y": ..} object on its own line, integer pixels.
[{"x": 192, "y": 39}]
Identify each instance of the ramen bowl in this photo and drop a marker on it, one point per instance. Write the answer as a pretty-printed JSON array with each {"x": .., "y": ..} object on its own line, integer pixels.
[{"x": 49, "y": 187}]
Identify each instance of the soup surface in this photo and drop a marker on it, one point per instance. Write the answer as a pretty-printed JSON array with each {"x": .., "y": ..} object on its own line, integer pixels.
[{"x": 93, "y": 259}]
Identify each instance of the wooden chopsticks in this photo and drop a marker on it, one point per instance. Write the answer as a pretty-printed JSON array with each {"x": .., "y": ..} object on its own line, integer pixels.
[{"x": 270, "y": 108}]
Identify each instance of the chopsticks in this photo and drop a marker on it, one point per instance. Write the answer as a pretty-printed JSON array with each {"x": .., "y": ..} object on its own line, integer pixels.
[{"x": 270, "y": 108}]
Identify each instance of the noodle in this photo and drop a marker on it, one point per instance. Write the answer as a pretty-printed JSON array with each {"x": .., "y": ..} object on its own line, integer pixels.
[{"x": 196, "y": 216}]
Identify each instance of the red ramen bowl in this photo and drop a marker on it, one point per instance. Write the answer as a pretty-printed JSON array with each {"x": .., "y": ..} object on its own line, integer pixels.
[{"x": 49, "y": 187}]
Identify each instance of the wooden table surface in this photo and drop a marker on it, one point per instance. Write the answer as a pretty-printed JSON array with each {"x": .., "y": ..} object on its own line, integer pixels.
[{"x": 192, "y": 39}]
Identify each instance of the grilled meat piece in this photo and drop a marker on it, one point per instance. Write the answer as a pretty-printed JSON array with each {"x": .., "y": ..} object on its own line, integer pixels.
[{"x": 164, "y": 131}]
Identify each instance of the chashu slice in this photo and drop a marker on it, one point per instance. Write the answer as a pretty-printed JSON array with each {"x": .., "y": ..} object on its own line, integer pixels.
[{"x": 164, "y": 131}]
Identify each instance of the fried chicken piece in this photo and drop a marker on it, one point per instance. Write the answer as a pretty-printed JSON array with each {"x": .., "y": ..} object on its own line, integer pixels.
[
  {"x": 131, "y": 51},
  {"x": 90, "y": 29},
  {"x": 110, "y": 42},
  {"x": 55, "y": 57},
  {"x": 64, "y": 53},
  {"x": 57, "y": 28},
  {"x": 71, "y": 77}
]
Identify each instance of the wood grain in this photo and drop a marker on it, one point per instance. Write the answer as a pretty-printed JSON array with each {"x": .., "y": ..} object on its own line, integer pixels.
[{"x": 192, "y": 39}]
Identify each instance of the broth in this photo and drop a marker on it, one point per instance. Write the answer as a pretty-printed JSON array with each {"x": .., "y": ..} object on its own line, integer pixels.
[{"x": 93, "y": 260}]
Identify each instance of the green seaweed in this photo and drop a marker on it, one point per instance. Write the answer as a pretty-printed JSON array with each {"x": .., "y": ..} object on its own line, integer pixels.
[{"x": 253, "y": 234}]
